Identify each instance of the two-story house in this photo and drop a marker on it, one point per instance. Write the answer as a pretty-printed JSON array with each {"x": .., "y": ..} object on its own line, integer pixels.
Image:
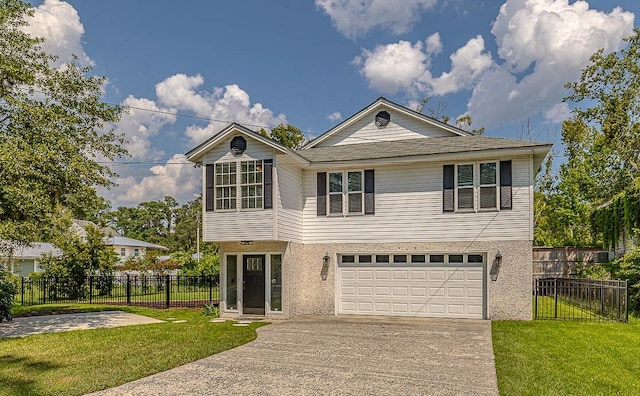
[{"x": 388, "y": 213}]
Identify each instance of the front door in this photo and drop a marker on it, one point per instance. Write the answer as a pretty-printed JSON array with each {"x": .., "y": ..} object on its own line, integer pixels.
[{"x": 253, "y": 275}]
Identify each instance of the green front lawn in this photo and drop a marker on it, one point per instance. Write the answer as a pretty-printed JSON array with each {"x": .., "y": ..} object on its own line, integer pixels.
[
  {"x": 78, "y": 362},
  {"x": 567, "y": 358}
]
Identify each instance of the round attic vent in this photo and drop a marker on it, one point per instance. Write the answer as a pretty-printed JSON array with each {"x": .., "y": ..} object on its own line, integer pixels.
[
  {"x": 238, "y": 145},
  {"x": 382, "y": 119}
]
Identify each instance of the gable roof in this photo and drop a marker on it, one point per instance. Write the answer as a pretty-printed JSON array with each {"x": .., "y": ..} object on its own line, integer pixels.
[
  {"x": 196, "y": 154},
  {"x": 411, "y": 148},
  {"x": 384, "y": 102},
  {"x": 35, "y": 250}
]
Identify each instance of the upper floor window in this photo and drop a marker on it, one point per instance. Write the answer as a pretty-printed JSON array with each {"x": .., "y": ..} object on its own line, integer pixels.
[
  {"x": 226, "y": 185},
  {"x": 239, "y": 185},
  {"x": 251, "y": 184},
  {"x": 346, "y": 198},
  {"x": 349, "y": 192},
  {"x": 477, "y": 186}
]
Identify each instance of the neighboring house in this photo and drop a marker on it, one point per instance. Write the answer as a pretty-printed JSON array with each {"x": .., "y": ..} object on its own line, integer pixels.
[
  {"x": 123, "y": 246},
  {"x": 129, "y": 247},
  {"x": 388, "y": 213},
  {"x": 26, "y": 259}
]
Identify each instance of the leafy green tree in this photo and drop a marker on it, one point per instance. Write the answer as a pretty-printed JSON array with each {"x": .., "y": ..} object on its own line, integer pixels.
[
  {"x": 603, "y": 137},
  {"x": 8, "y": 291},
  {"x": 82, "y": 258},
  {"x": 287, "y": 135},
  {"x": 54, "y": 130},
  {"x": 151, "y": 221}
]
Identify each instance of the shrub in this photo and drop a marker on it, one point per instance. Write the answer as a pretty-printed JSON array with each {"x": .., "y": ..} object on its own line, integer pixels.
[
  {"x": 210, "y": 310},
  {"x": 8, "y": 291},
  {"x": 628, "y": 267}
]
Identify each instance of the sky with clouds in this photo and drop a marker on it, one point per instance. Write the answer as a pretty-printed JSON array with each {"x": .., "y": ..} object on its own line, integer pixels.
[{"x": 187, "y": 69}]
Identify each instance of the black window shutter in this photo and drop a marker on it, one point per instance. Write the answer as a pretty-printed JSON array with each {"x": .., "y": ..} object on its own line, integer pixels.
[
  {"x": 322, "y": 193},
  {"x": 369, "y": 192},
  {"x": 268, "y": 183},
  {"x": 210, "y": 191},
  {"x": 505, "y": 185},
  {"x": 448, "y": 174}
]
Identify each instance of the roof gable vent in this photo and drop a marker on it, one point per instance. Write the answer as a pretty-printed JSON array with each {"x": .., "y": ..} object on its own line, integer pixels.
[
  {"x": 382, "y": 119},
  {"x": 238, "y": 145}
]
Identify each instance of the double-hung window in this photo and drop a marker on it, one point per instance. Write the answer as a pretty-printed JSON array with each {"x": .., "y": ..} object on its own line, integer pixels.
[
  {"x": 335, "y": 192},
  {"x": 226, "y": 185},
  {"x": 488, "y": 186},
  {"x": 251, "y": 184},
  {"x": 354, "y": 192},
  {"x": 465, "y": 187}
]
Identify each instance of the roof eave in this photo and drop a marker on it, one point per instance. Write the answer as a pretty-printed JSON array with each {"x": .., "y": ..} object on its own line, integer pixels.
[{"x": 536, "y": 151}]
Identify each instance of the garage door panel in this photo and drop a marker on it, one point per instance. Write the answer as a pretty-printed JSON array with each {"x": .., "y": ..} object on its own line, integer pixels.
[
  {"x": 436, "y": 291},
  {"x": 418, "y": 292},
  {"x": 419, "y": 275},
  {"x": 383, "y": 274},
  {"x": 400, "y": 291}
]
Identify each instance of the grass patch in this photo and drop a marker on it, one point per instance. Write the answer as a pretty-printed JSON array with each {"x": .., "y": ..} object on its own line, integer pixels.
[
  {"x": 78, "y": 362},
  {"x": 567, "y": 358}
]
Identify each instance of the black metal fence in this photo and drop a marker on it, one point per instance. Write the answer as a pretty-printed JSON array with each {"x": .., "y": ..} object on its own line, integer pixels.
[
  {"x": 155, "y": 291},
  {"x": 581, "y": 299}
]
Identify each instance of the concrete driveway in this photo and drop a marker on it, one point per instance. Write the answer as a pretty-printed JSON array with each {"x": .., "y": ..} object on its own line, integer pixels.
[{"x": 341, "y": 355}]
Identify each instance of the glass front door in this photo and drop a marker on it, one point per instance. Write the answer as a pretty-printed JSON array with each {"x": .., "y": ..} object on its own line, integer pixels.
[{"x": 253, "y": 280}]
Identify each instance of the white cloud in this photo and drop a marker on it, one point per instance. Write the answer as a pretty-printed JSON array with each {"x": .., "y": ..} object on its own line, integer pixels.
[
  {"x": 393, "y": 67},
  {"x": 59, "y": 24},
  {"x": 138, "y": 126},
  {"x": 558, "y": 112},
  {"x": 542, "y": 44},
  {"x": 434, "y": 44},
  {"x": 405, "y": 66},
  {"x": 177, "y": 177},
  {"x": 179, "y": 91},
  {"x": 335, "y": 116},
  {"x": 556, "y": 39},
  {"x": 467, "y": 65},
  {"x": 354, "y": 18}
]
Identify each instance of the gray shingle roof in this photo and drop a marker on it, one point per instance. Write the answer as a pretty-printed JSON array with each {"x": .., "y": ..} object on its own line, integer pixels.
[{"x": 412, "y": 147}]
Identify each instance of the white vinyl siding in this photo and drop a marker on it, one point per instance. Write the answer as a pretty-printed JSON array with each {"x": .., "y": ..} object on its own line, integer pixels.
[
  {"x": 288, "y": 200},
  {"x": 401, "y": 127},
  {"x": 409, "y": 208}
]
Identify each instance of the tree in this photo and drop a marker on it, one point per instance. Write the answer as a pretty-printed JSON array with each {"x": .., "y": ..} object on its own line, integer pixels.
[
  {"x": 287, "y": 135},
  {"x": 54, "y": 131},
  {"x": 603, "y": 137},
  {"x": 151, "y": 221},
  {"x": 82, "y": 258}
]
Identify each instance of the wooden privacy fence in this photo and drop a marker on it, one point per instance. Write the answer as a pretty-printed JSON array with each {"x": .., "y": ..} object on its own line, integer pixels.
[
  {"x": 155, "y": 291},
  {"x": 581, "y": 299},
  {"x": 560, "y": 262}
]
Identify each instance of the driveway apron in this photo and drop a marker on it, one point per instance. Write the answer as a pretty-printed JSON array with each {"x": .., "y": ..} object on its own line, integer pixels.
[{"x": 341, "y": 355}]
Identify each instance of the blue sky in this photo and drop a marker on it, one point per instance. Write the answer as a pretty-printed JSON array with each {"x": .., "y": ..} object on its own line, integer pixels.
[{"x": 313, "y": 64}]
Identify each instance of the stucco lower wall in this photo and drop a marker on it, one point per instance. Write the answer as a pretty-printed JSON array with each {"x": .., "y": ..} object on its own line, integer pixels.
[{"x": 309, "y": 287}]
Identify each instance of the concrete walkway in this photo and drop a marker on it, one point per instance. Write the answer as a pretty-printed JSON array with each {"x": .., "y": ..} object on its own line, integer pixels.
[
  {"x": 22, "y": 327},
  {"x": 341, "y": 355}
]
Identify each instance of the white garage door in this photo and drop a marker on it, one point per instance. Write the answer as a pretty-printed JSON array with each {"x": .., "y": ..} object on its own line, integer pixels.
[{"x": 424, "y": 289}]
